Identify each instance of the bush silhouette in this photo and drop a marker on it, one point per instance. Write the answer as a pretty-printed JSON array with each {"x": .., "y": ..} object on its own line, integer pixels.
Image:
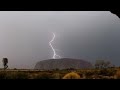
[
  {"x": 72, "y": 75},
  {"x": 5, "y": 62}
]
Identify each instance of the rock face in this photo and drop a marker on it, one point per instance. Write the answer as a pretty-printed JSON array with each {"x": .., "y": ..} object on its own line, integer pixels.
[{"x": 64, "y": 63}]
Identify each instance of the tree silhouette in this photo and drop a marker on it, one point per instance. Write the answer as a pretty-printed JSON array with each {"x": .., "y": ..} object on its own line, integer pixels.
[
  {"x": 5, "y": 62},
  {"x": 102, "y": 64}
]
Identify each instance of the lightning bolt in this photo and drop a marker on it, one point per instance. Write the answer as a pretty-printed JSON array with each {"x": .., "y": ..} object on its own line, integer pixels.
[{"x": 54, "y": 52}]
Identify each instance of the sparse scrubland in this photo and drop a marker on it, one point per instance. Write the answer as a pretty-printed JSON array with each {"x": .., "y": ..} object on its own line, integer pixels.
[
  {"x": 63, "y": 69},
  {"x": 106, "y": 73}
]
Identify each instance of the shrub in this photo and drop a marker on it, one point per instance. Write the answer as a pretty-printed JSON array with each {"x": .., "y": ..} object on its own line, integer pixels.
[
  {"x": 117, "y": 75},
  {"x": 15, "y": 68},
  {"x": 89, "y": 74},
  {"x": 107, "y": 72},
  {"x": 43, "y": 75},
  {"x": 14, "y": 75},
  {"x": 72, "y": 75},
  {"x": 18, "y": 75},
  {"x": 56, "y": 76},
  {"x": 3, "y": 75}
]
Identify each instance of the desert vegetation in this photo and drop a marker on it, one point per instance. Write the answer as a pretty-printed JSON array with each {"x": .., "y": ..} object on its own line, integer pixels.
[
  {"x": 107, "y": 73},
  {"x": 72, "y": 75},
  {"x": 101, "y": 70}
]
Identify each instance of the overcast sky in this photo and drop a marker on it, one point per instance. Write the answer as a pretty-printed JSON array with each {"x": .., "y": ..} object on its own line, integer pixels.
[{"x": 88, "y": 35}]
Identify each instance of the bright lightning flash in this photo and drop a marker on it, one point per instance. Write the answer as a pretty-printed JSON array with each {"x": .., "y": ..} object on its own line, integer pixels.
[{"x": 54, "y": 52}]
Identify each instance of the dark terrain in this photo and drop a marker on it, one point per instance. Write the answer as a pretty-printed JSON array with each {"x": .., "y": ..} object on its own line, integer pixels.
[{"x": 64, "y": 63}]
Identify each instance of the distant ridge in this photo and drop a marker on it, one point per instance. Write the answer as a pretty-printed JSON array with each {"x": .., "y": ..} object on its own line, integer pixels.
[{"x": 64, "y": 63}]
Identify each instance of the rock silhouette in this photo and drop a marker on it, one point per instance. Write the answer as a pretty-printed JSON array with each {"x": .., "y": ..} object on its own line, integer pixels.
[{"x": 64, "y": 63}]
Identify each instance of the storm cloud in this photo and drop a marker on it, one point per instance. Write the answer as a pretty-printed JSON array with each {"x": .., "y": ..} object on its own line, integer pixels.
[{"x": 88, "y": 35}]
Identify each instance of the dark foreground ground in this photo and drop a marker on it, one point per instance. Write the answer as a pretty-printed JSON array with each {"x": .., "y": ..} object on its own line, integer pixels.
[{"x": 110, "y": 73}]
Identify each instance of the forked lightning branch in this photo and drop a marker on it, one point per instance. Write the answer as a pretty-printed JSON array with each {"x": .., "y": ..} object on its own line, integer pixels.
[{"x": 54, "y": 52}]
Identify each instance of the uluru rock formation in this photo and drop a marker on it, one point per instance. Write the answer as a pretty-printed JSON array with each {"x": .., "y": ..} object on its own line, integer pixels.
[{"x": 64, "y": 63}]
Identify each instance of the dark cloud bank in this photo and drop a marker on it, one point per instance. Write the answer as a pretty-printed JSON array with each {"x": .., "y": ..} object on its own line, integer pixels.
[{"x": 25, "y": 36}]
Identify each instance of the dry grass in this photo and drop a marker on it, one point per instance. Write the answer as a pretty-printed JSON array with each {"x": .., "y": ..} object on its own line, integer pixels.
[
  {"x": 110, "y": 73},
  {"x": 117, "y": 75},
  {"x": 72, "y": 75}
]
